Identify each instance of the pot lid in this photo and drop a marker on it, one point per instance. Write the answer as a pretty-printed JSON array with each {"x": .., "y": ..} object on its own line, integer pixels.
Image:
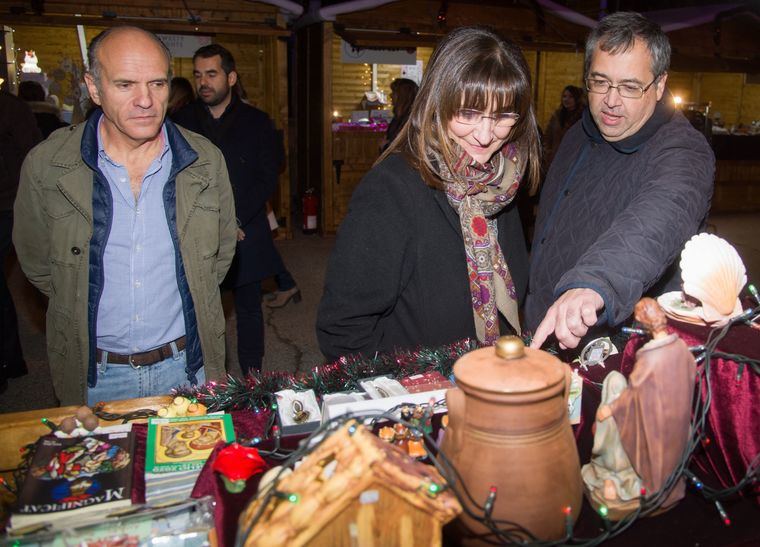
[{"x": 509, "y": 367}]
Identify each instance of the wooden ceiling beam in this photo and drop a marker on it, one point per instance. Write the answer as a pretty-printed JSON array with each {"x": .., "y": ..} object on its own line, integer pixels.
[
  {"x": 85, "y": 7},
  {"x": 383, "y": 39},
  {"x": 177, "y": 26},
  {"x": 211, "y": 12}
]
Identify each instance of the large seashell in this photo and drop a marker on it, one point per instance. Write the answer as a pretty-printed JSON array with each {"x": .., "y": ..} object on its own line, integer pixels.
[{"x": 713, "y": 273}]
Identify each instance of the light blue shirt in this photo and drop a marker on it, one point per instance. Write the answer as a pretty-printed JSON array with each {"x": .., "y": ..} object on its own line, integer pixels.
[{"x": 140, "y": 308}]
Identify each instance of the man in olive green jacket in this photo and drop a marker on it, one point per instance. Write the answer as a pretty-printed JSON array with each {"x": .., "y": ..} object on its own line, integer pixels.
[{"x": 66, "y": 218}]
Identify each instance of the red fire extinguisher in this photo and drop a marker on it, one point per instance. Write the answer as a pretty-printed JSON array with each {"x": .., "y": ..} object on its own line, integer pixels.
[{"x": 310, "y": 206}]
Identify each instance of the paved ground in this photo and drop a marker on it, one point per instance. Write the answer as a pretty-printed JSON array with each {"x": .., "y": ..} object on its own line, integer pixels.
[{"x": 291, "y": 343}]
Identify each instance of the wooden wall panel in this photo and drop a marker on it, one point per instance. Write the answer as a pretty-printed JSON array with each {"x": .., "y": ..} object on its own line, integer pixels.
[
  {"x": 685, "y": 85},
  {"x": 724, "y": 91},
  {"x": 750, "y": 106},
  {"x": 356, "y": 152}
]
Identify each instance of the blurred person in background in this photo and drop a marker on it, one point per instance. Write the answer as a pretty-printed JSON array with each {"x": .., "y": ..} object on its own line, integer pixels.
[
  {"x": 181, "y": 92},
  {"x": 46, "y": 113},
  {"x": 18, "y": 134},
  {"x": 569, "y": 112},
  {"x": 403, "y": 92},
  {"x": 254, "y": 153}
]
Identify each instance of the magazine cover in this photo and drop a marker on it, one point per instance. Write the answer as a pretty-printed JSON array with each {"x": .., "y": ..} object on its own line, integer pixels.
[
  {"x": 181, "y": 444},
  {"x": 69, "y": 476}
]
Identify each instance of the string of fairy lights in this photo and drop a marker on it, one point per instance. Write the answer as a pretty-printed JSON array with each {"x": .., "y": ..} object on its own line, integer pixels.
[
  {"x": 505, "y": 532},
  {"x": 501, "y": 531}
]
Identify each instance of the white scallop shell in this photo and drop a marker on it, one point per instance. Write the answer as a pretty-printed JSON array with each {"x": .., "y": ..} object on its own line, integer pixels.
[{"x": 713, "y": 273}]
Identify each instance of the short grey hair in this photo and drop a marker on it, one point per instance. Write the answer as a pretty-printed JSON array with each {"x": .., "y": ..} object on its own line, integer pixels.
[
  {"x": 93, "y": 60},
  {"x": 618, "y": 32}
]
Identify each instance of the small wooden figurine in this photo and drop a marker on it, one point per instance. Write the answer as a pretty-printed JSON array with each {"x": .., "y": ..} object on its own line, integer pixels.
[{"x": 652, "y": 416}]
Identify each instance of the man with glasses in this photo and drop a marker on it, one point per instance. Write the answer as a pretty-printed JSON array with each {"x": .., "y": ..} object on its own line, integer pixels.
[{"x": 630, "y": 184}]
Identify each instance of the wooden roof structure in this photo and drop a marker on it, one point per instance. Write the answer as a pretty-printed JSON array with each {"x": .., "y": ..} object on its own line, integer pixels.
[
  {"x": 706, "y": 38},
  {"x": 349, "y": 462},
  {"x": 720, "y": 37},
  {"x": 229, "y": 17}
]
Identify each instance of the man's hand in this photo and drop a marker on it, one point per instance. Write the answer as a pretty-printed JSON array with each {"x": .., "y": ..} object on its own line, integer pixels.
[
  {"x": 569, "y": 318},
  {"x": 240, "y": 235}
]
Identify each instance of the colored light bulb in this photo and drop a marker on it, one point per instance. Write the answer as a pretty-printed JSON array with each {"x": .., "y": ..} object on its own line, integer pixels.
[{"x": 753, "y": 291}]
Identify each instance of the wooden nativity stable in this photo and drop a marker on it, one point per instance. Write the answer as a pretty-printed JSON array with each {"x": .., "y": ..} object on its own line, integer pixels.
[{"x": 354, "y": 489}]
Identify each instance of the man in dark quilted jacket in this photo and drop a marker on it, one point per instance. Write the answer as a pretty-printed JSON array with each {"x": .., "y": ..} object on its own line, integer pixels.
[{"x": 630, "y": 184}]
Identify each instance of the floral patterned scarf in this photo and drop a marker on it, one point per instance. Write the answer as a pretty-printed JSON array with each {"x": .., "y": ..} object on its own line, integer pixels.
[{"x": 477, "y": 192}]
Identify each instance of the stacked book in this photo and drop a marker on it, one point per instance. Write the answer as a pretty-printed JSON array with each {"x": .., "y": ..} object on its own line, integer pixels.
[
  {"x": 70, "y": 477},
  {"x": 176, "y": 450}
]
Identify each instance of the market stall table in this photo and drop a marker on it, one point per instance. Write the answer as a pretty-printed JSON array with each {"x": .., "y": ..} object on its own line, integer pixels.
[{"x": 733, "y": 432}]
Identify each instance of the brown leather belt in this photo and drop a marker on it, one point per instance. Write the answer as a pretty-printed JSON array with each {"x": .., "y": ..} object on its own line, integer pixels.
[{"x": 145, "y": 358}]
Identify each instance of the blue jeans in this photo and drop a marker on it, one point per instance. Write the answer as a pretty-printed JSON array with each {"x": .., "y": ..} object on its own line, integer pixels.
[{"x": 128, "y": 382}]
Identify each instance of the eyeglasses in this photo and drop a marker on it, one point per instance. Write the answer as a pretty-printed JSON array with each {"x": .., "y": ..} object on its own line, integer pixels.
[
  {"x": 629, "y": 91},
  {"x": 501, "y": 120}
]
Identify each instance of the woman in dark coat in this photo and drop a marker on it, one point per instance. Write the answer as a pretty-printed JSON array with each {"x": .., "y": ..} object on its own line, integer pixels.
[
  {"x": 563, "y": 119},
  {"x": 431, "y": 250},
  {"x": 403, "y": 92},
  {"x": 181, "y": 92}
]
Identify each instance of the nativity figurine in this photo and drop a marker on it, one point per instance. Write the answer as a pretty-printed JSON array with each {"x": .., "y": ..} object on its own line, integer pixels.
[{"x": 652, "y": 418}]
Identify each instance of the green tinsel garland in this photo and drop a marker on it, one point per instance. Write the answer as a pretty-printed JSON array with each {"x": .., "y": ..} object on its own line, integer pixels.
[{"x": 256, "y": 390}]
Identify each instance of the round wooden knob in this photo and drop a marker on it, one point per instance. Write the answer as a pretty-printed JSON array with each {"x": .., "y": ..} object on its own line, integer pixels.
[{"x": 510, "y": 347}]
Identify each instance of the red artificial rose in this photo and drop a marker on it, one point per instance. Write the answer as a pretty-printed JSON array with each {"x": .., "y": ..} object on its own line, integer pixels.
[{"x": 237, "y": 462}]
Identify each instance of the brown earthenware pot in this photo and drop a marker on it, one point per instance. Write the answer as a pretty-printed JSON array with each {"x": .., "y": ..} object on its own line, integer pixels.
[{"x": 509, "y": 428}]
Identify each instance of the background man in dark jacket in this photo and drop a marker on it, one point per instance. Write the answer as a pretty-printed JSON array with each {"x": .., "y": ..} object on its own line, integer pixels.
[
  {"x": 18, "y": 134},
  {"x": 628, "y": 187},
  {"x": 254, "y": 153}
]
